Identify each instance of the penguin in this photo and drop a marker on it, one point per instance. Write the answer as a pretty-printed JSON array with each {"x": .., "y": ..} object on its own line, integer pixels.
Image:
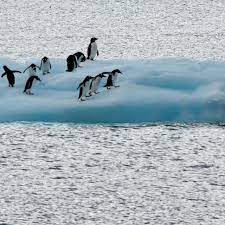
[
  {"x": 71, "y": 63},
  {"x": 84, "y": 87},
  {"x": 92, "y": 49},
  {"x": 45, "y": 65},
  {"x": 32, "y": 70},
  {"x": 111, "y": 81},
  {"x": 95, "y": 83},
  {"x": 10, "y": 75},
  {"x": 80, "y": 58},
  {"x": 29, "y": 84}
]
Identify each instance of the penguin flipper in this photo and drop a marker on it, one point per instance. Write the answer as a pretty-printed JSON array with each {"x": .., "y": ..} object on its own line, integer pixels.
[
  {"x": 3, "y": 74},
  {"x": 80, "y": 93},
  {"x": 109, "y": 81},
  {"x": 41, "y": 63},
  {"x": 91, "y": 85},
  {"x": 89, "y": 51},
  {"x": 16, "y": 71},
  {"x": 26, "y": 69}
]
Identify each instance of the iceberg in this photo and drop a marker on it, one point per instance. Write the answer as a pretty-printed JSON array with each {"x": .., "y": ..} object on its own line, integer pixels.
[{"x": 151, "y": 91}]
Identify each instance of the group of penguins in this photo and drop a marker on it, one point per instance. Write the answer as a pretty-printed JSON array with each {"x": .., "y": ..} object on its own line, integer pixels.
[{"x": 88, "y": 87}]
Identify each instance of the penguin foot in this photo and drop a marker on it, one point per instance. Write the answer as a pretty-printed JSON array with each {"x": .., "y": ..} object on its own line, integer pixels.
[{"x": 29, "y": 93}]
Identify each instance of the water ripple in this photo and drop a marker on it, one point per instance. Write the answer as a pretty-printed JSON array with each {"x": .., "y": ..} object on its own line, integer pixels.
[{"x": 74, "y": 174}]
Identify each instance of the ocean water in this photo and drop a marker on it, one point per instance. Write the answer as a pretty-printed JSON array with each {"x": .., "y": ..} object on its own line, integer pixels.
[
  {"x": 124, "y": 174},
  {"x": 125, "y": 28},
  {"x": 121, "y": 174}
]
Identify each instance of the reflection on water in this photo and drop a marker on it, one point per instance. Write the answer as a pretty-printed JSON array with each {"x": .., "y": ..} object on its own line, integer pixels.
[{"x": 71, "y": 174}]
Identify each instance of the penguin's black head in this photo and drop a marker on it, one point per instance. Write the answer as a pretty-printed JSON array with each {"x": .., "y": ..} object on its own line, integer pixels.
[
  {"x": 90, "y": 77},
  {"x": 87, "y": 78},
  {"x": 116, "y": 71},
  {"x": 33, "y": 66},
  {"x": 6, "y": 68},
  {"x": 93, "y": 39},
  {"x": 45, "y": 59}
]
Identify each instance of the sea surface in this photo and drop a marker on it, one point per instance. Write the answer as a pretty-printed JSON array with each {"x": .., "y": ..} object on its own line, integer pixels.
[
  {"x": 125, "y": 28},
  {"x": 113, "y": 174},
  {"x": 70, "y": 174}
]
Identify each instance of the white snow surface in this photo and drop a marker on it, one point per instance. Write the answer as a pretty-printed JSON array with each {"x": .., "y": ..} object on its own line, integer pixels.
[{"x": 163, "y": 90}]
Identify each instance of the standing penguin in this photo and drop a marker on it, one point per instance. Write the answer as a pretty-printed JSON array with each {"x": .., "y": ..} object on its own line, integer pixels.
[
  {"x": 95, "y": 83},
  {"x": 111, "y": 81},
  {"x": 80, "y": 58},
  {"x": 71, "y": 63},
  {"x": 32, "y": 70},
  {"x": 29, "y": 84},
  {"x": 10, "y": 75},
  {"x": 84, "y": 87},
  {"x": 92, "y": 49},
  {"x": 45, "y": 65}
]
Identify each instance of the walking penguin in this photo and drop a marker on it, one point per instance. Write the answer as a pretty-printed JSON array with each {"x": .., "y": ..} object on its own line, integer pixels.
[
  {"x": 111, "y": 81},
  {"x": 32, "y": 70},
  {"x": 95, "y": 83},
  {"x": 29, "y": 84},
  {"x": 10, "y": 75},
  {"x": 84, "y": 87}
]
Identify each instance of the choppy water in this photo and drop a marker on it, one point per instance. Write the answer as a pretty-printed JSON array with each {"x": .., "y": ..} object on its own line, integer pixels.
[
  {"x": 126, "y": 29},
  {"x": 70, "y": 174}
]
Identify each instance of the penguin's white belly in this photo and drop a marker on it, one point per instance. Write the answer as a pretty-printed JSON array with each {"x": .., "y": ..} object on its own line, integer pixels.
[
  {"x": 78, "y": 61},
  {"x": 95, "y": 84},
  {"x": 86, "y": 89},
  {"x": 114, "y": 78},
  {"x": 32, "y": 72},
  {"x": 45, "y": 67},
  {"x": 34, "y": 83},
  {"x": 94, "y": 49}
]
